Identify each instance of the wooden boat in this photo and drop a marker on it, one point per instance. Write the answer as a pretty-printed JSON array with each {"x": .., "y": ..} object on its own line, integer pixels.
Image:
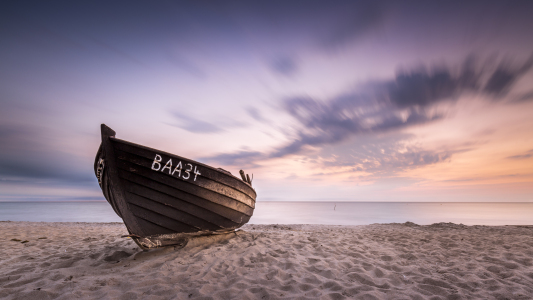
[{"x": 165, "y": 199}]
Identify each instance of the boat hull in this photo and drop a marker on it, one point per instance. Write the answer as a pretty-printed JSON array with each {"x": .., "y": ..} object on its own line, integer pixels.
[{"x": 164, "y": 199}]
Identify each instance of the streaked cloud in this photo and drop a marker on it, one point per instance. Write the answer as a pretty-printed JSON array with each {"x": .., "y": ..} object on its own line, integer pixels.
[
  {"x": 194, "y": 125},
  {"x": 526, "y": 155},
  {"x": 26, "y": 155},
  {"x": 362, "y": 129},
  {"x": 393, "y": 104},
  {"x": 284, "y": 65},
  {"x": 352, "y": 23},
  {"x": 505, "y": 75},
  {"x": 241, "y": 159},
  {"x": 383, "y": 155},
  {"x": 348, "y": 115},
  {"x": 523, "y": 97},
  {"x": 186, "y": 65},
  {"x": 256, "y": 114}
]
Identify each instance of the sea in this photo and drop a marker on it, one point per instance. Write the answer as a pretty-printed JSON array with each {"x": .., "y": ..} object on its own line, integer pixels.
[{"x": 330, "y": 213}]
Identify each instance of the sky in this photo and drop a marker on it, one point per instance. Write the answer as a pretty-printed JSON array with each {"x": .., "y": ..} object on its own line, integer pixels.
[{"x": 319, "y": 100}]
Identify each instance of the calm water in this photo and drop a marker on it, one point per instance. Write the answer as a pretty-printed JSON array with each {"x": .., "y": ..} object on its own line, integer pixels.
[{"x": 340, "y": 213}]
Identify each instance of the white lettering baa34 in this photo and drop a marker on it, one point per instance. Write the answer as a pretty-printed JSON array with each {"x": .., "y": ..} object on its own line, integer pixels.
[{"x": 156, "y": 166}]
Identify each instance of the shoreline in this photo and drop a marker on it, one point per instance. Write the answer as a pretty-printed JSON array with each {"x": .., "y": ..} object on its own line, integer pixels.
[
  {"x": 65, "y": 260},
  {"x": 325, "y": 213}
]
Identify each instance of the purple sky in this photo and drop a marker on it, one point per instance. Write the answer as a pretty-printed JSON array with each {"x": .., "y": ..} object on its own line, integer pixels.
[{"x": 320, "y": 100}]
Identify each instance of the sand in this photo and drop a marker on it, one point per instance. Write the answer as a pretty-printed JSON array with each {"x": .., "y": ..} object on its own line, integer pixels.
[{"x": 380, "y": 261}]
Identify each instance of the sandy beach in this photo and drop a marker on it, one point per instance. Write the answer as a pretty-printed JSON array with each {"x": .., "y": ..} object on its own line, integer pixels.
[{"x": 380, "y": 261}]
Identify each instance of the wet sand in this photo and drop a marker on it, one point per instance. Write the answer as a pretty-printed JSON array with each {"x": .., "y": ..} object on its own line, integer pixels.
[{"x": 380, "y": 261}]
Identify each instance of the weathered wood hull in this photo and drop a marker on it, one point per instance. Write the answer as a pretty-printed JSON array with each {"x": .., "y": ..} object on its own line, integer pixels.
[{"x": 163, "y": 198}]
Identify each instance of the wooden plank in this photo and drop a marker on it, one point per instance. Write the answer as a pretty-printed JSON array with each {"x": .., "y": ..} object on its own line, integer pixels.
[
  {"x": 114, "y": 183},
  {"x": 197, "y": 195},
  {"x": 174, "y": 213},
  {"x": 175, "y": 203},
  {"x": 190, "y": 203},
  {"x": 108, "y": 195},
  {"x": 138, "y": 162},
  {"x": 208, "y": 171},
  {"x": 152, "y": 228},
  {"x": 160, "y": 220}
]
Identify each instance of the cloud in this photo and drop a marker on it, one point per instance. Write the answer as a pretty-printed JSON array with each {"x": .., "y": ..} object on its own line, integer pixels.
[
  {"x": 284, "y": 65},
  {"x": 336, "y": 120},
  {"x": 420, "y": 87},
  {"x": 116, "y": 51},
  {"x": 256, "y": 114},
  {"x": 194, "y": 125},
  {"x": 380, "y": 108},
  {"x": 528, "y": 154},
  {"x": 384, "y": 154},
  {"x": 388, "y": 105},
  {"x": 351, "y": 23},
  {"x": 324, "y": 26},
  {"x": 186, "y": 65},
  {"x": 505, "y": 75},
  {"x": 525, "y": 97},
  {"x": 26, "y": 155},
  {"x": 240, "y": 159}
]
